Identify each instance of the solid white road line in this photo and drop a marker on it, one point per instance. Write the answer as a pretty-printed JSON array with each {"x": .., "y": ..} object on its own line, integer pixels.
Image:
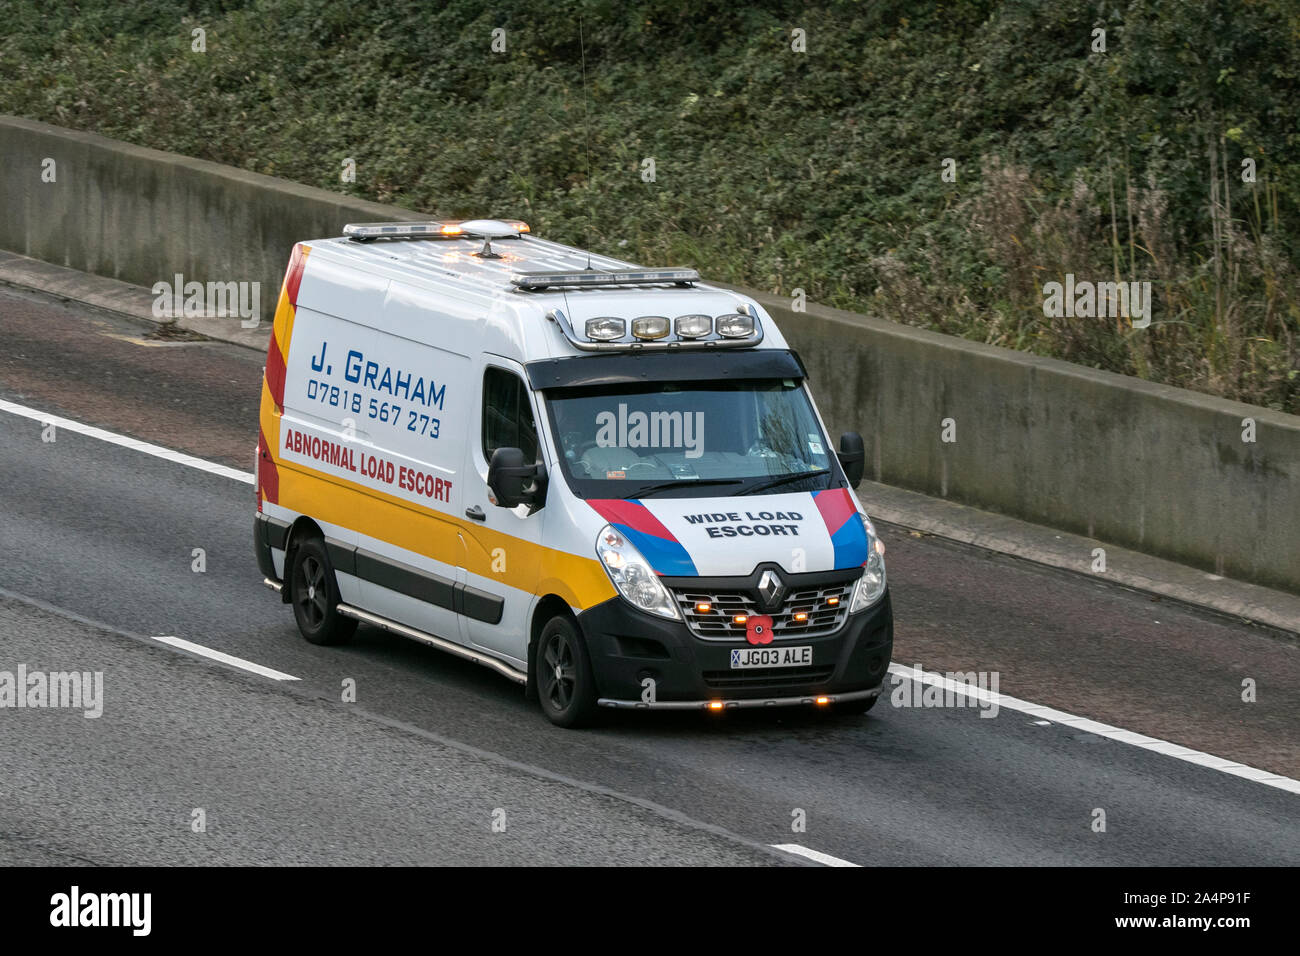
[
  {"x": 1154, "y": 744},
  {"x": 224, "y": 658},
  {"x": 1012, "y": 703},
  {"x": 823, "y": 858},
  {"x": 134, "y": 444}
]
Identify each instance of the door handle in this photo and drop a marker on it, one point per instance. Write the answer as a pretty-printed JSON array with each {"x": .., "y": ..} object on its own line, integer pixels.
[{"x": 476, "y": 513}]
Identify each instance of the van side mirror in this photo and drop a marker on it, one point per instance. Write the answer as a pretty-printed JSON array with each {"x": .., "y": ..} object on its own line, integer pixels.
[
  {"x": 513, "y": 481},
  {"x": 852, "y": 459}
]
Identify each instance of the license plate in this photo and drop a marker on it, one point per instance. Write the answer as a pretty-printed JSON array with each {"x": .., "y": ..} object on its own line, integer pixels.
[{"x": 742, "y": 657}]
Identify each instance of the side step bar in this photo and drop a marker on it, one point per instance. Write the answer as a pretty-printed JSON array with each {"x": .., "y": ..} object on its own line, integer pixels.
[{"x": 501, "y": 667}]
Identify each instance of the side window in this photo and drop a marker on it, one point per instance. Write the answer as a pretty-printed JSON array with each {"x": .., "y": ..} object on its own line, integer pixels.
[{"x": 507, "y": 414}]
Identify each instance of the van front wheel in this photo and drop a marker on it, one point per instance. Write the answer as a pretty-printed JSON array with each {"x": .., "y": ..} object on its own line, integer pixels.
[
  {"x": 562, "y": 670},
  {"x": 314, "y": 593}
]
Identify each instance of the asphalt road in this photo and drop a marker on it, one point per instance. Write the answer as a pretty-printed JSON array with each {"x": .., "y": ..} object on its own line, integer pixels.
[{"x": 415, "y": 768}]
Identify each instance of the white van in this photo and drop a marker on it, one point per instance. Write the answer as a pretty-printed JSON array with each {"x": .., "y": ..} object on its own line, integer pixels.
[{"x": 610, "y": 484}]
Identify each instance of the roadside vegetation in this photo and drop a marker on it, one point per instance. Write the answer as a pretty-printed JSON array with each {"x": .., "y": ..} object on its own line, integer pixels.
[{"x": 817, "y": 170}]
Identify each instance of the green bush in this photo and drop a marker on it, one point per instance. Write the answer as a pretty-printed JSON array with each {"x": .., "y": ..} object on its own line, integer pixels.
[{"x": 777, "y": 169}]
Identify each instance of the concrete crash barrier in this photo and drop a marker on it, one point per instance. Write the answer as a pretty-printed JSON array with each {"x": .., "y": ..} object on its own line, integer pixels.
[
  {"x": 1150, "y": 467},
  {"x": 1154, "y": 468},
  {"x": 145, "y": 216}
]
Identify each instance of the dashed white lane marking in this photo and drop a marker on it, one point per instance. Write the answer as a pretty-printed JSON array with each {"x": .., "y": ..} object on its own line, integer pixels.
[
  {"x": 1154, "y": 744},
  {"x": 224, "y": 658},
  {"x": 148, "y": 343},
  {"x": 179, "y": 458},
  {"x": 134, "y": 444},
  {"x": 823, "y": 858},
  {"x": 1012, "y": 703}
]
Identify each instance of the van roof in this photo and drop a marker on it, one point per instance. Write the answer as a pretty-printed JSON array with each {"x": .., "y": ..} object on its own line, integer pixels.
[
  {"x": 450, "y": 269},
  {"x": 453, "y": 260}
]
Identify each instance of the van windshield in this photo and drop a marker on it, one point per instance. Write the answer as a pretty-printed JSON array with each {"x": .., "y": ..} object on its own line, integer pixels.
[{"x": 690, "y": 439}]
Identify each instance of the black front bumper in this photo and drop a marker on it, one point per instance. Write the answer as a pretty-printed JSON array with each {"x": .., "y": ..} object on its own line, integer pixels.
[{"x": 627, "y": 646}]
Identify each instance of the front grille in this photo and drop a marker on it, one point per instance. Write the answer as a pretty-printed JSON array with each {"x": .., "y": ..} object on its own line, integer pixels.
[
  {"x": 718, "y": 623},
  {"x": 767, "y": 677}
]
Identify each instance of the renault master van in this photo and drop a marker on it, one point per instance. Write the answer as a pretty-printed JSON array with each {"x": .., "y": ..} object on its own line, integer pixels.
[{"x": 609, "y": 484}]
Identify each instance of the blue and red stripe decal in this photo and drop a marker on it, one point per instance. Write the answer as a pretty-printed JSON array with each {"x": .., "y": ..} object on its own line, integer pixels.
[
  {"x": 848, "y": 534},
  {"x": 648, "y": 535}
]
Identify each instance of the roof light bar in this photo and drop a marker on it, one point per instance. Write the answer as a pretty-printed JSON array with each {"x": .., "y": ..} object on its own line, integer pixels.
[
  {"x": 536, "y": 281},
  {"x": 395, "y": 230},
  {"x": 653, "y": 332},
  {"x": 437, "y": 229}
]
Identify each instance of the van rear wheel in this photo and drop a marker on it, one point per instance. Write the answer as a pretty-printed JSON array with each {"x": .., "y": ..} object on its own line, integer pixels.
[
  {"x": 314, "y": 594},
  {"x": 562, "y": 670}
]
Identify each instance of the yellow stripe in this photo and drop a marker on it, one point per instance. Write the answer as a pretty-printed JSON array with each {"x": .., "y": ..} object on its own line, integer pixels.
[{"x": 269, "y": 419}]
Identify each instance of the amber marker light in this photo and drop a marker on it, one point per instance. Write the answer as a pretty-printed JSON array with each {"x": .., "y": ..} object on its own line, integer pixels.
[
  {"x": 823, "y": 700},
  {"x": 740, "y": 619},
  {"x": 800, "y": 616},
  {"x": 703, "y": 607},
  {"x": 715, "y": 705},
  {"x": 832, "y": 601}
]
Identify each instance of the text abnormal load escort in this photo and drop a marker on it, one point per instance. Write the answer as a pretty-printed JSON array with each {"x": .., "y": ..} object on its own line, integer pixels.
[{"x": 609, "y": 484}]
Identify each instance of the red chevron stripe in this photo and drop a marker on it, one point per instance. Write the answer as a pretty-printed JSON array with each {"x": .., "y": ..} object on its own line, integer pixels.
[
  {"x": 836, "y": 507},
  {"x": 293, "y": 277},
  {"x": 268, "y": 476},
  {"x": 275, "y": 372},
  {"x": 631, "y": 514}
]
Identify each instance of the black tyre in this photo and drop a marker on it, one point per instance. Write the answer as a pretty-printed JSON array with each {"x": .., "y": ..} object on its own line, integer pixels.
[
  {"x": 314, "y": 594},
  {"x": 859, "y": 706},
  {"x": 562, "y": 672}
]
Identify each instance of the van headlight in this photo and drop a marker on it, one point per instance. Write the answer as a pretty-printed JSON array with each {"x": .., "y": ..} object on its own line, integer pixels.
[
  {"x": 871, "y": 586},
  {"x": 632, "y": 575}
]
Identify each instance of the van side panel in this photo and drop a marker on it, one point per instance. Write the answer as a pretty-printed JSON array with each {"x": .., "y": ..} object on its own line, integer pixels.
[{"x": 367, "y": 407}]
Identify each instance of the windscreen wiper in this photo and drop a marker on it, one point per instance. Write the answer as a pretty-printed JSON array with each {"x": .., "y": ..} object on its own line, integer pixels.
[
  {"x": 784, "y": 479},
  {"x": 683, "y": 483}
]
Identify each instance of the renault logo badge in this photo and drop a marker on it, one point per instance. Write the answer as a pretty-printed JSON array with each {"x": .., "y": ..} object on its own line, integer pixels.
[{"x": 770, "y": 589}]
